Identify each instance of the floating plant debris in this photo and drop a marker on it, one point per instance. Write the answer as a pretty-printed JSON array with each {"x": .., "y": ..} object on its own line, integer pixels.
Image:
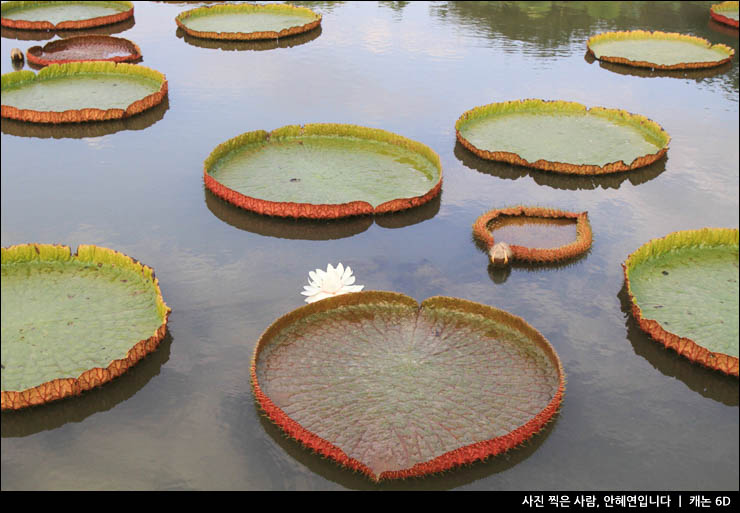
[
  {"x": 564, "y": 137},
  {"x": 323, "y": 171},
  {"x": 84, "y": 48},
  {"x": 394, "y": 389},
  {"x": 73, "y": 322},
  {"x": 725, "y": 12},
  {"x": 247, "y": 21},
  {"x": 684, "y": 293},
  {"x": 63, "y": 15},
  {"x": 533, "y": 234},
  {"x": 81, "y": 91},
  {"x": 658, "y": 50}
]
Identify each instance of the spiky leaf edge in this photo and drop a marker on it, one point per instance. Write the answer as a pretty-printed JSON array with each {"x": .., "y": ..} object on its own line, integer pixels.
[
  {"x": 584, "y": 235},
  {"x": 66, "y": 387},
  {"x": 649, "y": 128},
  {"x": 33, "y": 54},
  {"x": 313, "y": 210},
  {"x": 181, "y": 19},
  {"x": 16, "y": 78},
  {"x": 462, "y": 456},
  {"x": 98, "y": 21},
  {"x": 644, "y": 34},
  {"x": 682, "y": 345}
]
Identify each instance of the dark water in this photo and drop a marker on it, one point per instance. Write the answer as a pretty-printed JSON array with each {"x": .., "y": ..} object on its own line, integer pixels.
[{"x": 635, "y": 416}]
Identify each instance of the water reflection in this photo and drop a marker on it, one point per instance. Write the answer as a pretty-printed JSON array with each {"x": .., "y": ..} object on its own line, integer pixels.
[
  {"x": 558, "y": 180},
  {"x": 712, "y": 384},
  {"x": 315, "y": 229},
  {"x": 723, "y": 28},
  {"x": 259, "y": 45},
  {"x": 50, "y": 416},
  {"x": 42, "y": 35},
  {"x": 460, "y": 476},
  {"x": 84, "y": 130}
]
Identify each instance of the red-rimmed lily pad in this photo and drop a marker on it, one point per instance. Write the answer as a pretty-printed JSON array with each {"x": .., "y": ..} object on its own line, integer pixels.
[
  {"x": 658, "y": 50},
  {"x": 247, "y": 21},
  {"x": 394, "y": 389},
  {"x": 64, "y": 15},
  {"x": 726, "y": 12},
  {"x": 72, "y": 322},
  {"x": 323, "y": 171},
  {"x": 84, "y": 48},
  {"x": 564, "y": 137},
  {"x": 81, "y": 91},
  {"x": 684, "y": 293},
  {"x": 534, "y": 234}
]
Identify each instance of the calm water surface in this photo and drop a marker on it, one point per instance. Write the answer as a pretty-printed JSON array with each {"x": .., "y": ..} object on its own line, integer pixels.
[{"x": 635, "y": 416}]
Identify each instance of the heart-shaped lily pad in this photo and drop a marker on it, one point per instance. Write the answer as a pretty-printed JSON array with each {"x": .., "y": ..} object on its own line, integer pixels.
[
  {"x": 570, "y": 233},
  {"x": 84, "y": 48},
  {"x": 73, "y": 322},
  {"x": 64, "y": 15},
  {"x": 564, "y": 137},
  {"x": 247, "y": 21},
  {"x": 392, "y": 389},
  {"x": 323, "y": 171},
  {"x": 726, "y": 12},
  {"x": 81, "y": 91},
  {"x": 684, "y": 293},
  {"x": 658, "y": 50}
]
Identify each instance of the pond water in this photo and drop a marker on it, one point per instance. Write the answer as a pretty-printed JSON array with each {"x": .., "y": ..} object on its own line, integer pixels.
[{"x": 635, "y": 416}]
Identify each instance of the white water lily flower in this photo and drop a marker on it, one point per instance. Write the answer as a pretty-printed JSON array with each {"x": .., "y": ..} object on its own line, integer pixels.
[{"x": 332, "y": 282}]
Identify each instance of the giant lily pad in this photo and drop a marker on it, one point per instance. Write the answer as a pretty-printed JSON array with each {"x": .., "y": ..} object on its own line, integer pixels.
[
  {"x": 658, "y": 50},
  {"x": 63, "y": 15},
  {"x": 81, "y": 91},
  {"x": 73, "y": 322},
  {"x": 247, "y": 21},
  {"x": 392, "y": 389},
  {"x": 564, "y": 137},
  {"x": 684, "y": 293},
  {"x": 323, "y": 171},
  {"x": 725, "y": 12},
  {"x": 84, "y": 48},
  {"x": 542, "y": 234}
]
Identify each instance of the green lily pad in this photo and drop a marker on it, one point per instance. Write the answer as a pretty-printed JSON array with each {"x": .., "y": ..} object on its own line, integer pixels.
[
  {"x": 658, "y": 50},
  {"x": 64, "y": 15},
  {"x": 393, "y": 389},
  {"x": 323, "y": 171},
  {"x": 247, "y": 21},
  {"x": 684, "y": 290},
  {"x": 726, "y": 12},
  {"x": 81, "y": 91},
  {"x": 564, "y": 137},
  {"x": 73, "y": 322}
]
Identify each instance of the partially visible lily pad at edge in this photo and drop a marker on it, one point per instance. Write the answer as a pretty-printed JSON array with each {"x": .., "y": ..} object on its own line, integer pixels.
[
  {"x": 394, "y": 389},
  {"x": 72, "y": 322},
  {"x": 684, "y": 293}
]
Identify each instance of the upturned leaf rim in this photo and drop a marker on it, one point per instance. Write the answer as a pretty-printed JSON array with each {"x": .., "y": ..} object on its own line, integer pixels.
[
  {"x": 127, "y": 11},
  {"x": 61, "y": 388},
  {"x": 686, "y": 347},
  {"x": 584, "y": 234},
  {"x": 181, "y": 20},
  {"x": 314, "y": 210},
  {"x": 81, "y": 68},
  {"x": 459, "y": 457},
  {"x": 639, "y": 122},
  {"x": 667, "y": 36}
]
